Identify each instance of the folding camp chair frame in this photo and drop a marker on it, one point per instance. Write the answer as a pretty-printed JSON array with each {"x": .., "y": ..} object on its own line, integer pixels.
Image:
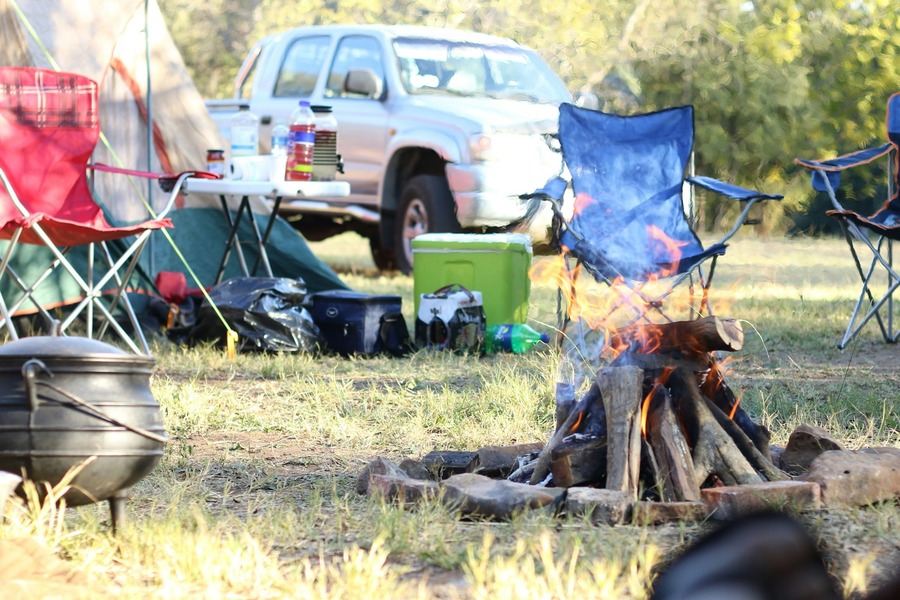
[
  {"x": 882, "y": 250},
  {"x": 656, "y": 303},
  {"x": 94, "y": 297},
  {"x": 875, "y": 233}
]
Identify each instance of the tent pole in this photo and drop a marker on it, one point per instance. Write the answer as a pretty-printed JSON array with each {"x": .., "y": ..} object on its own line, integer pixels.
[{"x": 149, "y": 122}]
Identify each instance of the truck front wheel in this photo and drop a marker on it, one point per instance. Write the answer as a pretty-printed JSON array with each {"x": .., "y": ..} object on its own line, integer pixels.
[{"x": 426, "y": 206}]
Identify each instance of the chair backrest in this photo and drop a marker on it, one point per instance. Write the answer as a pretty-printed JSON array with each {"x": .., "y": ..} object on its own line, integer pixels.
[
  {"x": 627, "y": 174},
  {"x": 893, "y": 118},
  {"x": 49, "y": 127}
]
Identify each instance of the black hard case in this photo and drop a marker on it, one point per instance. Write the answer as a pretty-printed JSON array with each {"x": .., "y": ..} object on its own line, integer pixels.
[{"x": 351, "y": 322}]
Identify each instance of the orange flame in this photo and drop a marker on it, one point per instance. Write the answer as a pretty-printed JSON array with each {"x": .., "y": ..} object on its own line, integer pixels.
[
  {"x": 582, "y": 201},
  {"x": 645, "y": 409},
  {"x": 592, "y": 304},
  {"x": 576, "y": 424},
  {"x": 667, "y": 247},
  {"x": 737, "y": 402}
]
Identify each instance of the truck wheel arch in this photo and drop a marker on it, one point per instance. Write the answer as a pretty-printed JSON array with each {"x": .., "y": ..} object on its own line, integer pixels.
[{"x": 405, "y": 163}]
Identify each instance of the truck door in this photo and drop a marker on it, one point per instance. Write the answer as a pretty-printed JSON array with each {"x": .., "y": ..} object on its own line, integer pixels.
[
  {"x": 362, "y": 120},
  {"x": 294, "y": 80}
]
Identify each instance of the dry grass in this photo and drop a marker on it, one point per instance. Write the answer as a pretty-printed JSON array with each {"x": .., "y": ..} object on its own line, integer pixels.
[{"x": 254, "y": 497}]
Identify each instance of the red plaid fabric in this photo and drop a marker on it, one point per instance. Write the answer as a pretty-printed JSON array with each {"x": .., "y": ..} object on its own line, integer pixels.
[{"x": 34, "y": 98}]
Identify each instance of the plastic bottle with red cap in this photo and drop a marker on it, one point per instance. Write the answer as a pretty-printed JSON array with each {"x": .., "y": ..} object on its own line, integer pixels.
[{"x": 301, "y": 143}]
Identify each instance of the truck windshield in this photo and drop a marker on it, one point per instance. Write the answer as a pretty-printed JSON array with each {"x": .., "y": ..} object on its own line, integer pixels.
[{"x": 430, "y": 66}]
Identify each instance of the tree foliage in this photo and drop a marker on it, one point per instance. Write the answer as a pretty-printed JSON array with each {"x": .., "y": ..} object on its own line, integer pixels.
[{"x": 770, "y": 80}]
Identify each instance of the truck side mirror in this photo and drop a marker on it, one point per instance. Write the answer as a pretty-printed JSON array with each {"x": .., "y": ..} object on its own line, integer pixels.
[{"x": 363, "y": 82}]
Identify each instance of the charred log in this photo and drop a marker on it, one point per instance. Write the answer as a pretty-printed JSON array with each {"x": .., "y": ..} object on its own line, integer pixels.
[
  {"x": 670, "y": 449},
  {"x": 714, "y": 451},
  {"x": 699, "y": 336},
  {"x": 716, "y": 389}
]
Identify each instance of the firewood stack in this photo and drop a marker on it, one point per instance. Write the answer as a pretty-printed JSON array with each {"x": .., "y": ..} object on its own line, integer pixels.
[{"x": 659, "y": 422}]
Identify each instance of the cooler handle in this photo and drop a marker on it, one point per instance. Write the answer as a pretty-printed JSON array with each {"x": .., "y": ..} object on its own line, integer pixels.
[{"x": 453, "y": 287}]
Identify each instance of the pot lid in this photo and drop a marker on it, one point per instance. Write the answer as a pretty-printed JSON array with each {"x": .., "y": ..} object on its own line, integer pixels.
[{"x": 46, "y": 346}]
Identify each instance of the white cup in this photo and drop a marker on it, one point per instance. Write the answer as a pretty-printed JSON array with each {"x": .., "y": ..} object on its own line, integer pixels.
[{"x": 277, "y": 166}]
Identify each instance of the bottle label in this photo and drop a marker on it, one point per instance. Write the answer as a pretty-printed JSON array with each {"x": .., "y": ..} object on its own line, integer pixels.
[
  {"x": 303, "y": 134},
  {"x": 279, "y": 141},
  {"x": 244, "y": 141}
]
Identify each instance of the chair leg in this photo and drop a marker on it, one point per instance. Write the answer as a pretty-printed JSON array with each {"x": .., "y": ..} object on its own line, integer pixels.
[
  {"x": 879, "y": 257},
  {"x": 92, "y": 291}
]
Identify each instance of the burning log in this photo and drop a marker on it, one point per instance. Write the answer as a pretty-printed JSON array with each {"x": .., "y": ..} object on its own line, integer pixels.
[
  {"x": 716, "y": 389},
  {"x": 700, "y": 336},
  {"x": 621, "y": 389},
  {"x": 715, "y": 453},
  {"x": 572, "y": 423},
  {"x": 670, "y": 449},
  {"x": 661, "y": 416}
]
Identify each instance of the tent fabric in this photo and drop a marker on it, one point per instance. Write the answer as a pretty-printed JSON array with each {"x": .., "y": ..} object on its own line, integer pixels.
[{"x": 105, "y": 41}]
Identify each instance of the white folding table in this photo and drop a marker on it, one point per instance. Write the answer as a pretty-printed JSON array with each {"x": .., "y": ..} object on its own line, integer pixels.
[{"x": 276, "y": 191}]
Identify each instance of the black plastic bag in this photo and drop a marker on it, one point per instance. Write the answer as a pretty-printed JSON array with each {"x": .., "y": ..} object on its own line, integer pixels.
[{"x": 266, "y": 313}]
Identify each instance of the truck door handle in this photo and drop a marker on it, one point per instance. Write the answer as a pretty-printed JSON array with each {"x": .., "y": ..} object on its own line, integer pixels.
[{"x": 266, "y": 120}]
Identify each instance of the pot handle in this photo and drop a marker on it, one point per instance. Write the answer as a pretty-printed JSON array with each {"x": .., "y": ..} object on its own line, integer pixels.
[
  {"x": 29, "y": 373},
  {"x": 30, "y": 370}
]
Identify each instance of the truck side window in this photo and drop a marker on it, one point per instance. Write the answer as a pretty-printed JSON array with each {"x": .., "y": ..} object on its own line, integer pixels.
[
  {"x": 302, "y": 63},
  {"x": 353, "y": 52}
]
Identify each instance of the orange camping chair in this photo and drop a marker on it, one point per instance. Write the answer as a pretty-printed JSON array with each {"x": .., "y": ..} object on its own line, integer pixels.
[{"x": 49, "y": 126}]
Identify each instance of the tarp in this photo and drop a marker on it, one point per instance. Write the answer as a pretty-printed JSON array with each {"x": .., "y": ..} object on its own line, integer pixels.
[{"x": 116, "y": 43}]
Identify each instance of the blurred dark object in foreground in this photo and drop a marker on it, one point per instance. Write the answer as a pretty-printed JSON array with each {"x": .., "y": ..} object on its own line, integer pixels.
[{"x": 767, "y": 556}]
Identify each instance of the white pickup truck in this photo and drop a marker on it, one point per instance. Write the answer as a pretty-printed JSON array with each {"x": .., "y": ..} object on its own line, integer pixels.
[{"x": 438, "y": 130}]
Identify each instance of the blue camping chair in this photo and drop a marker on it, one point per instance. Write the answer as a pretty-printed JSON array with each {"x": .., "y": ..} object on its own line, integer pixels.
[
  {"x": 629, "y": 224},
  {"x": 875, "y": 233}
]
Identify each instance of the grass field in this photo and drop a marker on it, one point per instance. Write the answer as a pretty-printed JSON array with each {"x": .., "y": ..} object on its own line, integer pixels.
[{"x": 255, "y": 495}]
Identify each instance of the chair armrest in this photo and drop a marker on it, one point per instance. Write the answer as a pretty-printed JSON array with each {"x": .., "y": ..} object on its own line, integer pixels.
[
  {"x": 826, "y": 174},
  {"x": 731, "y": 191},
  {"x": 552, "y": 191},
  {"x": 174, "y": 189},
  {"x": 735, "y": 192},
  {"x": 846, "y": 161},
  {"x": 170, "y": 184}
]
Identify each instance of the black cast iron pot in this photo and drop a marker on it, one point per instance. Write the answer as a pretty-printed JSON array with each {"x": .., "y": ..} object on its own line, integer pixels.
[{"x": 64, "y": 400}]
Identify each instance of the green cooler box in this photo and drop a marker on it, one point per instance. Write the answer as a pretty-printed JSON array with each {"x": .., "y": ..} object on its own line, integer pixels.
[{"x": 495, "y": 264}]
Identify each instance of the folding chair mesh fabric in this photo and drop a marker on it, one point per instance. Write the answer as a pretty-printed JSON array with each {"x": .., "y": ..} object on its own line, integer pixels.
[
  {"x": 875, "y": 232},
  {"x": 49, "y": 127},
  {"x": 627, "y": 175},
  {"x": 628, "y": 219}
]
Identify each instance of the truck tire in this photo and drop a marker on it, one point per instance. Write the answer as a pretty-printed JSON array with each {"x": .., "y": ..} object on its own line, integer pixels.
[{"x": 426, "y": 206}]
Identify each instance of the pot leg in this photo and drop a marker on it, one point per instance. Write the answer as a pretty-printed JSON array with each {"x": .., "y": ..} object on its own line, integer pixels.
[{"x": 117, "y": 504}]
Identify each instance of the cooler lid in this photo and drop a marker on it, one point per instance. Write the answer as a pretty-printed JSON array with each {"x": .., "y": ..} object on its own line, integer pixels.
[{"x": 515, "y": 242}]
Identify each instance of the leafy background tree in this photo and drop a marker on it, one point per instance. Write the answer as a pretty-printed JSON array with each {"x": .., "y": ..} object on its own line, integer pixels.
[{"x": 769, "y": 80}]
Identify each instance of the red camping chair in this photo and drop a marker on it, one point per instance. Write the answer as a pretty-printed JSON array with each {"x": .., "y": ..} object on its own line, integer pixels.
[{"x": 49, "y": 126}]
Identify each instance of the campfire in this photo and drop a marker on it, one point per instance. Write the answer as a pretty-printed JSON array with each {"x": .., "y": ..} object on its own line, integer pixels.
[
  {"x": 659, "y": 422},
  {"x": 653, "y": 433}
]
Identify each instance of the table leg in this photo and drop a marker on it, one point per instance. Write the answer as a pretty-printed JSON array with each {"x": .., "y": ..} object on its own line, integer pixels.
[
  {"x": 263, "y": 255},
  {"x": 232, "y": 236}
]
